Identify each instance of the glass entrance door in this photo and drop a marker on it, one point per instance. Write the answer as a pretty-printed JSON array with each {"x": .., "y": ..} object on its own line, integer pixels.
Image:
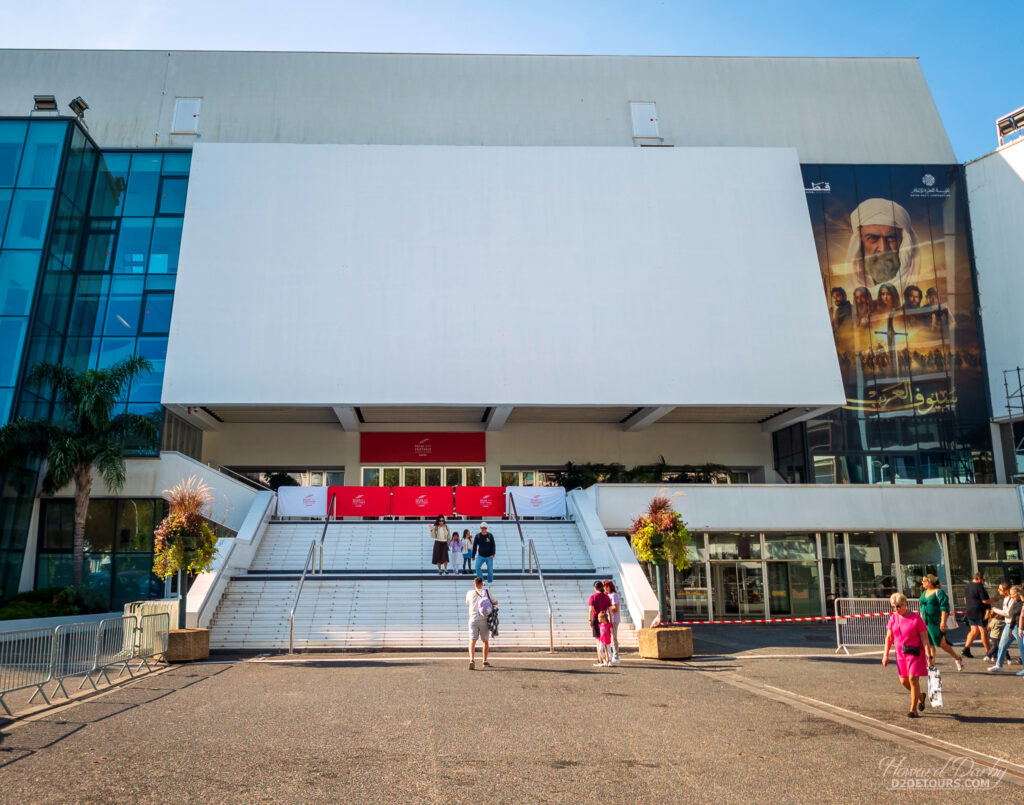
[{"x": 738, "y": 589}]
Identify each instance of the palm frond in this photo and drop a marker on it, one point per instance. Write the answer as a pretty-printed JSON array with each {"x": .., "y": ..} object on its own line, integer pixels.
[
  {"x": 135, "y": 427},
  {"x": 110, "y": 464},
  {"x": 123, "y": 372},
  {"x": 24, "y": 438},
  {"x": 63, "y": 458},
  {"x": 61, "y": 379}
]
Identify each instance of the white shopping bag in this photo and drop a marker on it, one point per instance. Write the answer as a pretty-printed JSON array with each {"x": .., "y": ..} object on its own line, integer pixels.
[{"x": 934, "y": 686}]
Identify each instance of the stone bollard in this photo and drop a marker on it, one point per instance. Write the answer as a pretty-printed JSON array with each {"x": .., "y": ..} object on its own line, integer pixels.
[
  {"x": 666, "y": 643},
  {"x": 186, "y": 645}
]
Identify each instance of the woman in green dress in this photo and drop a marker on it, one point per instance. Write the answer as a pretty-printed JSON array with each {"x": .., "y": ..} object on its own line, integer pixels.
[{"x": 934, "y": 612}]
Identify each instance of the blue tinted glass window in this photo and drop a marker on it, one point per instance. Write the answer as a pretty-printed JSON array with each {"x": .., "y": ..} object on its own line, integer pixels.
[
  {"x": 111, "y": 181},
  {"x": 160, "y": 282},
  {"x": 156, "y": 316},
  {"x": 172, "y": 196},
  {"x": 12, "y": 337},
  {"x": 5, "y": 207},
  {"x": 166, "y": 243},
  {"x": 133, "y": 246},
  {"x": 81, "y": 353},
  {"x": 12, "y": 139},
  {"x": 113, "y": 350},
  {"x": 100, "y": 239},
  {"x": 85, "y": 311},
  {"x": 143, "y": 182},
  {"x": 26, "y": 224},
  {"x": 123, "y": 307},
  {"x": 18, "y": 272},
  {"x": 147, "y": 388},
  {"x": 6, "y": 397},
  {"x": 41, "y": 159},
  {"x": 67, "y": 229},
  {"x": 177, "y": 164}
]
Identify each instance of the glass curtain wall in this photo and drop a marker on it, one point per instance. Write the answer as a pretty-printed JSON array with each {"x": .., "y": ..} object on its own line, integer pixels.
[
  {"x": 118, "y": 547},
  {"x": 920, "y": 554},
  {"x": 33, "y": 200}
]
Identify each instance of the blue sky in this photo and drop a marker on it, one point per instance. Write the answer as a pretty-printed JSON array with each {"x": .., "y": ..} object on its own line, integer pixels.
[{"x": 969, "y": 51}]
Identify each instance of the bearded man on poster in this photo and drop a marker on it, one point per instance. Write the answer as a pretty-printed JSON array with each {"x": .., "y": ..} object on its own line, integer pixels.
[{"x": 883, "y": 247}]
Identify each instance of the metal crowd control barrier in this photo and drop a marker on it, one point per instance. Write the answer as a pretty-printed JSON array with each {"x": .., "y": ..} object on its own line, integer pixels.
[
  {"x": 74, "y": 654},
  {"x": 152, "y": 639},
  {"x": 26, "y": 661},
  {"x": 854, "y": 629},
  {"x": 115, "y": 645}
]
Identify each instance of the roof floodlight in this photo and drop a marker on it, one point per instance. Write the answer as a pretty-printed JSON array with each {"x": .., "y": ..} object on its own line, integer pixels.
[
  {"x": 44, "y": 103},
  {"x": 78, "y": 106}
]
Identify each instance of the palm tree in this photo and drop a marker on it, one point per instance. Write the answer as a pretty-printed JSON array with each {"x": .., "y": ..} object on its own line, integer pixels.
[{"x": 82, "y": 435}]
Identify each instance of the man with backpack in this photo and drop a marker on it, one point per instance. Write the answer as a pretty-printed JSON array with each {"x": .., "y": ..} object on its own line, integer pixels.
[{"x": 480, "y": 605}]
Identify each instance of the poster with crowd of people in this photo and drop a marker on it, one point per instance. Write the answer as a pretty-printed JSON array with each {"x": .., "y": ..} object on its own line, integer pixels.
[{"x": 892, "y": 247}]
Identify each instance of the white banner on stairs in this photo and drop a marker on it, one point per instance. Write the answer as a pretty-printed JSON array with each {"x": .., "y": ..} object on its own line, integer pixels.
[
  {"x": 536, "y": 501},
  {"x": 302, "y": 501}
]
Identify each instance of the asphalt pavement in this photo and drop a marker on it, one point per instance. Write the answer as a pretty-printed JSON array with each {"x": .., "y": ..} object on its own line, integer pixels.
[{"x": 533, "y": 728}]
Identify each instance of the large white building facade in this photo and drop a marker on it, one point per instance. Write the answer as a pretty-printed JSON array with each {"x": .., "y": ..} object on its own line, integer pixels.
[{"x": 430, "y": 270}]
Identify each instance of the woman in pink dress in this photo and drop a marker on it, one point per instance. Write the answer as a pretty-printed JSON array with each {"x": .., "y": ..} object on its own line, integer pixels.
[{"x": 908, "y": 631}]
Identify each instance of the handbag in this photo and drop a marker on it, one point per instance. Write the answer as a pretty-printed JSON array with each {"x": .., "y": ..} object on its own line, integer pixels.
[{"x": 911, "y": 651}]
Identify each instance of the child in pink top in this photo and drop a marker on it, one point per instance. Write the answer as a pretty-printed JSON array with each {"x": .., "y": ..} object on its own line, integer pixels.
[{"x": 604, "y": 639}]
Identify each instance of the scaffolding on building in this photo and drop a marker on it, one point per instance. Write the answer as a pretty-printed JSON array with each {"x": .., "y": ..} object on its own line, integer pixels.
[{"x": 1013, "y": 383}]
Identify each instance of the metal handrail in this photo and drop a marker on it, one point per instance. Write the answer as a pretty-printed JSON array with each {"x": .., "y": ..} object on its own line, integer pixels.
[
  {"x": 323, "y": 534},
  {"x": 310, "y": 557},
  {"x": 239, "y": 477},
  {"x": 547, "y": 598},
  {"x": 522, "y": 542}
]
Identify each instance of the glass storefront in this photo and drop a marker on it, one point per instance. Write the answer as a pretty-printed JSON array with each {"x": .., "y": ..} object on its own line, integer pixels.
[
  {"x": 118, "y": 547},
  {"x": 794, "y": 575}
]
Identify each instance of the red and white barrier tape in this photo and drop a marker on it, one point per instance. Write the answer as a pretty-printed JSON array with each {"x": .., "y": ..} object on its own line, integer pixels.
[{"x": 788, "y": 620}]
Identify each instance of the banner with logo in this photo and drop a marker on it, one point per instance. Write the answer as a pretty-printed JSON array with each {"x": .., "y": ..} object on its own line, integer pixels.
[
  {"x": 359, "y": 501},
  {"x": 422, "y": 448},
  {"x": 537, "y": 501},
  {"x": 480, "y": 501},
  {"x": 895, "y": 266},
  {"x": 302, "y": 501},
  {"x": 421, "y": 501}
]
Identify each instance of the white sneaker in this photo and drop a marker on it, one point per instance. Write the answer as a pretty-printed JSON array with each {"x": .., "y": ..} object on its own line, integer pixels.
[
  {"x": 616, "y": 662},
  {"x": 995, "y": 669},
  {"x": 599, "y": 665}
]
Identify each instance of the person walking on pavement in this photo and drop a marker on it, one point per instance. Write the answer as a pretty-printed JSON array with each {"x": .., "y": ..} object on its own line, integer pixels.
[
  {"x": 977, "y": 600},
  {"x": 1013, "y": 614},
  {"x": 480, "y": 604},
  {"x": 934, "y": 612},
  {"x": 908, "y": 632},
  {"x": 440, "y": 534},
  {"x": 483, "y": 552},
  {"x": 596, "y": 604},
  {"x": 614, "y": 618}
]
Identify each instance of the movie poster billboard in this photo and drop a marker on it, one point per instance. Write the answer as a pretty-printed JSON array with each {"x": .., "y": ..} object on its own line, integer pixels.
[{"x": 893, "y": 252}]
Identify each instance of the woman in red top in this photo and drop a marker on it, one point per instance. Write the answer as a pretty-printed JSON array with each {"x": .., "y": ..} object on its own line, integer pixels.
[{"x": 908, "y": 631}]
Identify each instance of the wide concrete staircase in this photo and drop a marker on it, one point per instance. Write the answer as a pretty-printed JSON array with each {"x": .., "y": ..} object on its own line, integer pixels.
[{"x": 378, "y": 589}]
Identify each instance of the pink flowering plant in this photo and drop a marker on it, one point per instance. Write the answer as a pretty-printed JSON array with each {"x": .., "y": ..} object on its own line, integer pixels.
[
  {"x": 184, "y": 540},
  {"x": 660, "y": 535}
]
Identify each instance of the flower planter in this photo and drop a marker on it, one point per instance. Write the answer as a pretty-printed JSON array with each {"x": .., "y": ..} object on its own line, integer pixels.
[
  {"x": 186, "y": 645},
  {"x": 666, "y": 643}
]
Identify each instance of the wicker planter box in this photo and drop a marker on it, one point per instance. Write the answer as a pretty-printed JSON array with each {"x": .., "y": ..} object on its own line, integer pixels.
[
  {"x": 666, "y": 643},
  {"x": 186, "y": 645}
]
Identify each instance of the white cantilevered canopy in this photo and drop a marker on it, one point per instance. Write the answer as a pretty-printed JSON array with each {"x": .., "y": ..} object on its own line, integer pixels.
[{"x": 346, "y": 276}]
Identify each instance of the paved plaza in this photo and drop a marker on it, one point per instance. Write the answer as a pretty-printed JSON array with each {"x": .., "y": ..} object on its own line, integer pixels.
[{"x": 761, "y": 714}]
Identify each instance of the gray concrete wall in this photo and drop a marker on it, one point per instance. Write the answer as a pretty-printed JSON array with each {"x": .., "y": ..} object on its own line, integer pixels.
[{"x": 830, "y": 110}]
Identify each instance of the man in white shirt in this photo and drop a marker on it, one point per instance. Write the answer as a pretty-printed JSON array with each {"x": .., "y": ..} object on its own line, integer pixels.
[{"x": 478, "y": 628}]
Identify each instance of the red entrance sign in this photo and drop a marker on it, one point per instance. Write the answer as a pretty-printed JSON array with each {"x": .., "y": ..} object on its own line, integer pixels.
[
  {"x": 480, "y": 501},
  {"x": 359, "y": 501},
  {"x": 421, "y": 501},
  {"x": 422, "y": 448}
]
